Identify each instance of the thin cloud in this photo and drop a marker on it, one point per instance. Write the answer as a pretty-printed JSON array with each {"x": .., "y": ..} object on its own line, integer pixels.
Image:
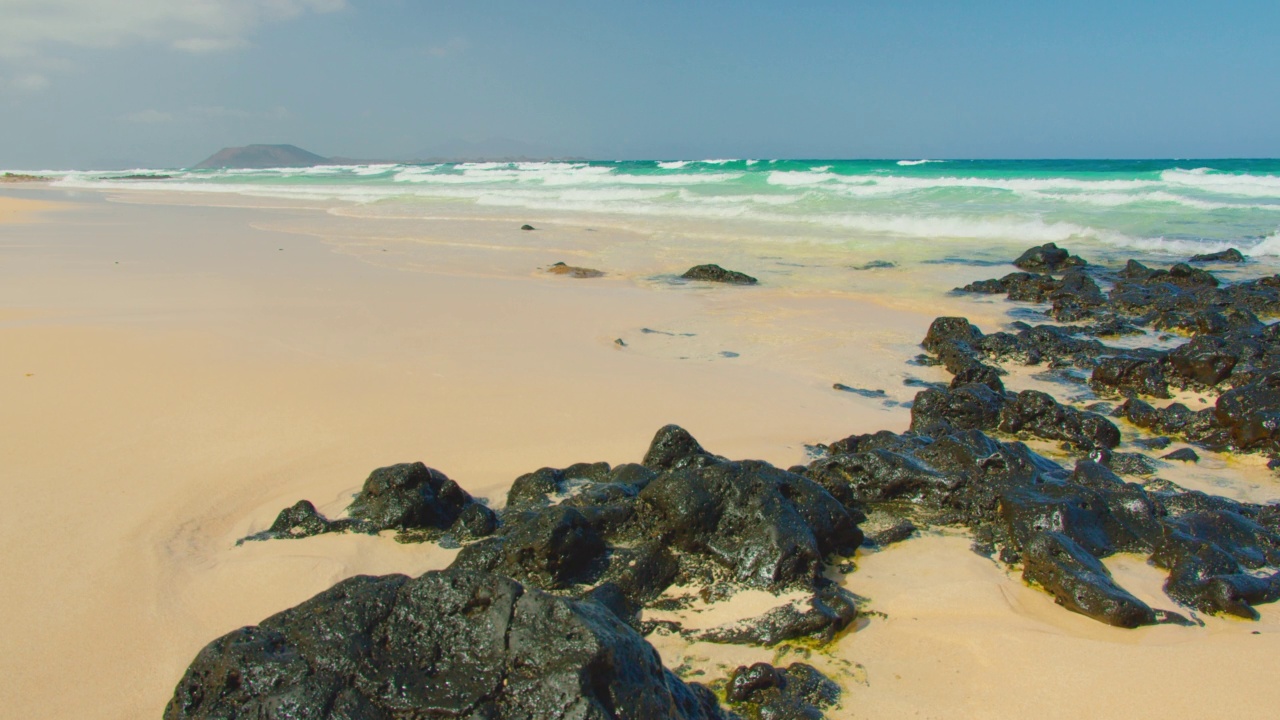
[
  {"x": 200, "y": 45},
  {"x": 31, "y": 27},
  {"x": 25, "y": 82}
]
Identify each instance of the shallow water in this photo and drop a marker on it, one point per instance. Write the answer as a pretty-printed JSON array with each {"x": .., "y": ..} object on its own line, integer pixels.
[{"x": 957, "y": 208}]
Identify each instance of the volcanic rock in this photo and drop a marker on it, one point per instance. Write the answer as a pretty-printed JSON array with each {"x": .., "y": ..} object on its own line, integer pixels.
[
  {"x": 715, "y": 273},
  {"x": 797, "y": 692},
  {"x": 1047, "y": 258},
  {"x": 1182, "y": 455},
  {"x": 450, "y": 643},
  {"x": 1230, "y": 255},
  {"x": 419, "y": 502}
]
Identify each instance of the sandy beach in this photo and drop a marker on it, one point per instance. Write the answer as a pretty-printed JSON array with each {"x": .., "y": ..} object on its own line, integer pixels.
[{"x": 178, "y": 367}]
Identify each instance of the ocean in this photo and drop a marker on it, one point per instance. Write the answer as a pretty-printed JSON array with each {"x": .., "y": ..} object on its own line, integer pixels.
[{"x": 1148, "y": 207}]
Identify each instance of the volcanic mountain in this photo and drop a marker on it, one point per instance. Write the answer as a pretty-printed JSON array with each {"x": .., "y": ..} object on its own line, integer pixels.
[{"x": 261, "y": 156}]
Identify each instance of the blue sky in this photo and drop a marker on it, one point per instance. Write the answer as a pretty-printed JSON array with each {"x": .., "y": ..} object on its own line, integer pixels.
[{"x": 166, "y": 82}]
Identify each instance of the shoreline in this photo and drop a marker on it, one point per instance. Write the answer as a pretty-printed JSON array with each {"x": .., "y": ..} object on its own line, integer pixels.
[{"x": 265, "y": 357}]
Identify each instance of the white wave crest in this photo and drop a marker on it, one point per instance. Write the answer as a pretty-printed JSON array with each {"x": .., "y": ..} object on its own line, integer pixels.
[
  {"x": 483, "y": 165},
  {"x": 1159, "y": 196},
  {"x": 1269, "y": 246},
  {"x": 467, "y": 177},
  {"x": 1017, "y": 185},
  {"x": 602, "y": 194},
  {"x": 673, "y": 165},
  {"x": 754, "y": 198},
  {"x": 889, "y": 184},
  {"x": 367, "y": 170},
  {"x": 908, "y": 163},
  {"x": 681, "y": 179},
  {"x": 798, "y": 177},
  {"x": 969, "y": 228},
  {"x": 1205, "y": 180}
]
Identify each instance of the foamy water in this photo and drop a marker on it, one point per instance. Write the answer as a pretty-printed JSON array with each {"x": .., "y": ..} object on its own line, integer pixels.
[{"x": 1168, "y": 207}]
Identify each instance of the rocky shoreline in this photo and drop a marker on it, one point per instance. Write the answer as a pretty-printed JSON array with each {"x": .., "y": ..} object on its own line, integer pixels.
[{"x": 541, "y": 613}]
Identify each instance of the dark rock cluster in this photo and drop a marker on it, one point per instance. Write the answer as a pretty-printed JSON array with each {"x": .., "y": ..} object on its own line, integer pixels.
[
  {"x": 1219, "y": 553},
  {"x": 1231, "y": 350},
  {"x": 565, "y": 569},
  {"x": 448, "y": 644},
  {"x": 1047, "y": 258},
  {"x": 1059, "y": 523},
  {"x": 540, "y": 614},
  {"x": 416, "y": 501},
  {"x": 765, "y": 692},
  {"x": 685, "y": 515}
]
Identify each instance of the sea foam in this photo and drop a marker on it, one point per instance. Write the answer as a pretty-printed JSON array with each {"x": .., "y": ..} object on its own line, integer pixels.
[
  {"x": 1268, "y": 246},
  {"x": 1162, "y": 207}
]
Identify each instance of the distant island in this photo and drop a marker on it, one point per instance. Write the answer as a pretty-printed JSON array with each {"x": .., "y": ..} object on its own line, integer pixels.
[
  {"x": 21, "y": 177},
  {"x": 261, "y": 156}
]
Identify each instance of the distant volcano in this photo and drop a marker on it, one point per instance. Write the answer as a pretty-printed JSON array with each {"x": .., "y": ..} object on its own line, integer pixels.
[{"x": 261, "y": 156}]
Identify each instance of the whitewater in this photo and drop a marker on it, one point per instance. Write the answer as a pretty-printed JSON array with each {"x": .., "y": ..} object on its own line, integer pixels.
[{"x": 1157, "y": 207}]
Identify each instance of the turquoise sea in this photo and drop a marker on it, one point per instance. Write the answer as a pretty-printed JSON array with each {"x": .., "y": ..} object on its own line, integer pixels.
[{"x": 1151, "y": 207}]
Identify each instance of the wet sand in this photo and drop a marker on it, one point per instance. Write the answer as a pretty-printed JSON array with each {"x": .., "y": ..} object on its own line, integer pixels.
[{"x": 175, "y": 373}]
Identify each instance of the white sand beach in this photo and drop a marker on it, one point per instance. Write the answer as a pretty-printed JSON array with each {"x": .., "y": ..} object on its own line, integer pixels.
[{"x": 179, "y": 367}]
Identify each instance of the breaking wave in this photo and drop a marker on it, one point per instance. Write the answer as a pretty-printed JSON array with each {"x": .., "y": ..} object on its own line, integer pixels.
[{"x": 1160, "y": 206}]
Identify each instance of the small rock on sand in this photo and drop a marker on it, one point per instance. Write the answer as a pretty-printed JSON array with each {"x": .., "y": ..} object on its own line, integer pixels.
[
  {"x": 715, "y": 273},
  {"x": 572, "y": 271}
]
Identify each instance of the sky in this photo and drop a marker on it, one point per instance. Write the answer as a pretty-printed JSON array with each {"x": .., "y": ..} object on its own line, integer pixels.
[{"x": 165, "y": 83}]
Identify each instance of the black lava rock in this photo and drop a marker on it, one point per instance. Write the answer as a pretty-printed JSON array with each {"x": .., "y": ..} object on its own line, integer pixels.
[
  {"x": 447, "y": 644},
  {"x": 550, "y": 549},
  {"x": 673, "y": 448},
  {"x": 1058, "y": 524},
  {"x": 1079, "y": 582},
  {"x": 418, "y": 502},
  {"x": 1251, "y": 414},
  {"x": 686, "y": 515},
  {"x": 769, "y": 528},
  {"x": 1030, "y": 412},
  {"x": 1182, "y": 455},
  {"x": 1130, "y": 375},
  {"x": 895, "y": 532},
  {"x": 1230, "y": 255},
  {"x": 1155, "y": 443},
  {"x": 715, "y": 273},
  {"x": 1047, "y": 258},
  {"x": 300, "y": 520},
  {"x": 408, "y": 496},
  {"x": 821, "y": 617},
  {"x": 764, "y": 692}
]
